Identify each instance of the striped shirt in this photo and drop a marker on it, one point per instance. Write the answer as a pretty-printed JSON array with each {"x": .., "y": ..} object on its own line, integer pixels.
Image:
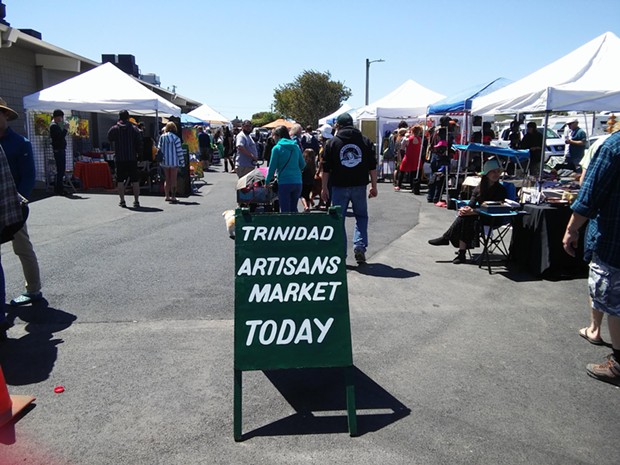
[
  {"x": 127, "y": 141},
  {"x": 10, "y": 210},
  {"x": 170, "y": 146},
  {"x": 599, "y": 200}
]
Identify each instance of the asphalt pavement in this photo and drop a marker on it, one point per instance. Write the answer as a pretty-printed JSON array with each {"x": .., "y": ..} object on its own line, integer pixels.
[{"x": 452, "y": 365}]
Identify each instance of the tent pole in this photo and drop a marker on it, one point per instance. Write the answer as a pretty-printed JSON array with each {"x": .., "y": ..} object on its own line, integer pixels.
[
  {"x": 417, "y": 176},
  {"x": 543, "y": 150},
  {"x": 585, "y": 118}
]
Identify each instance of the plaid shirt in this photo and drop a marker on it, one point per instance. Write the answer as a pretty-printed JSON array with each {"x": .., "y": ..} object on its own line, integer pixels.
[
  {"x": 10, "y": 210},
  {"x": 599, "y": 200}
]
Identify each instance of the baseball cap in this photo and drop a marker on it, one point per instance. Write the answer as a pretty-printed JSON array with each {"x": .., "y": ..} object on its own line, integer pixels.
[
  {"x": 344, "y": 119},
  {"x": 575, "y": 120}
]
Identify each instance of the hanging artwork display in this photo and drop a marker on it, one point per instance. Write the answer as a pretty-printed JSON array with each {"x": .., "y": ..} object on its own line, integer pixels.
[
  {"x": 190, "y": 137},
  {"x": 42, "y": 123}
]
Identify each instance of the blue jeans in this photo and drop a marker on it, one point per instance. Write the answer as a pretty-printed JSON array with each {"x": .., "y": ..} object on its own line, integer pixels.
[
  {"x": 357, "y": 196},
  {"x": 288, "y": 195}
]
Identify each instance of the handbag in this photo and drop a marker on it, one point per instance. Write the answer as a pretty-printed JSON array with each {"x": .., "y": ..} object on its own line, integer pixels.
[
  {"x": 9, "y": 231},
  {"x": 274, "y": 184}
]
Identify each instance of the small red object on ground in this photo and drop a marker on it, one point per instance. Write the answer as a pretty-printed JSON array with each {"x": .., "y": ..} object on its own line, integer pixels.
[{"x": 59, "y": 389}]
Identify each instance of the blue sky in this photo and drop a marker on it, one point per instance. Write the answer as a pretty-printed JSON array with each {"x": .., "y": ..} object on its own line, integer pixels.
[{"x": 232, "y": 55}]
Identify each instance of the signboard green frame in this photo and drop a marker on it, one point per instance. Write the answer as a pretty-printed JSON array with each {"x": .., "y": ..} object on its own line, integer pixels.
[{"x": 291, "y": 298}]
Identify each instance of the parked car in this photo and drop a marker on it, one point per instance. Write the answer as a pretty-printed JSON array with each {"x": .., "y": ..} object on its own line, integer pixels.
[{"x": 554, "y": 147}]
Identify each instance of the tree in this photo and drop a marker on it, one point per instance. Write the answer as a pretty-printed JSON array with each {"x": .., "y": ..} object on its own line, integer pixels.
[
  {"x": 264, "y": 117},
  {"x": 311, "y": 96}
]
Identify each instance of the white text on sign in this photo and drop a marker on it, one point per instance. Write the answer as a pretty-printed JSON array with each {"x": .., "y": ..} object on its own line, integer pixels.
[
  {"x": 268, "y": 331},
  {"x": 294, "y": 292},
  {"x": 287, "y": 233}
]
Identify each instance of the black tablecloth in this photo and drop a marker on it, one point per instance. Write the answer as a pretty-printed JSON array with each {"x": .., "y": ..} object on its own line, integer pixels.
[{"x": 537, "y": 241}]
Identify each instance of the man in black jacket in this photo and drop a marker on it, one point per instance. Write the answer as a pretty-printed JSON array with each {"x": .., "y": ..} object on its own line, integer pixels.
[
  {"x": 350, "y": 163},
  {"x": 58, "y": 134}
]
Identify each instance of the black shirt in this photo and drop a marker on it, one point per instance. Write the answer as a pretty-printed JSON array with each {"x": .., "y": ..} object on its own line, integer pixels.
[
  {"x": 58, "y": 136},
  {"x": 534, "y": 139},
  {"x": 495, "y": 193},
  {"x": 348, "y": 158}
]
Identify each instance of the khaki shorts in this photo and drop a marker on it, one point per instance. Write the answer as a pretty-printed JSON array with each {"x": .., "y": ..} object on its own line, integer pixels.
[{"x": 604, "y": 286}]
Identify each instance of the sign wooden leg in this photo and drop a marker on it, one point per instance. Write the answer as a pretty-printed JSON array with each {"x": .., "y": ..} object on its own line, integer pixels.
[
  {"x": 237, "y": 398},
  {"x": 351, "y": 412}
]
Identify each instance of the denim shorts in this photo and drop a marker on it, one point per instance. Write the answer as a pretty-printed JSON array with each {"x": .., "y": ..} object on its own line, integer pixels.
[{"x": 604, "y": 286}]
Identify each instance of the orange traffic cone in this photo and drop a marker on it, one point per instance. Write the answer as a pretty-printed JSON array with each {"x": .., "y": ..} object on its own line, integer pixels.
[{"x": 10, "y": 405}]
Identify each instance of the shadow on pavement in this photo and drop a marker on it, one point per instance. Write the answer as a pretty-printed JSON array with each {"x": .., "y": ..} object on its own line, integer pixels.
[
  {"x": 30, "y": 359},
  {"x": 318, "y": 394},
  {"x": 380, "y": 270},
  {"x": 145, "y": 209},
  {"x": 182, "y": 202}
]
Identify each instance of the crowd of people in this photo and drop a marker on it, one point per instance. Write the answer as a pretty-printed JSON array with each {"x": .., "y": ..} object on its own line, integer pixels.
[{"x": 336, "y": 166}]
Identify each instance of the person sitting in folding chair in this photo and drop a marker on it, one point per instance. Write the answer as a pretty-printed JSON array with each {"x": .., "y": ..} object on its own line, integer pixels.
[{"x": 464, "y": 231}]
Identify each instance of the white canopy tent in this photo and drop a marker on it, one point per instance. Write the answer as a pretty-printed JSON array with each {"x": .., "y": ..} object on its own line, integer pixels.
[
  {"x": 584, "y": 80},
  {"x": 104, "y": 89},
  {"x": 209, "y": 115},
  {"x": 409, "y": 100},
  {"x": 329, "y": 119}
]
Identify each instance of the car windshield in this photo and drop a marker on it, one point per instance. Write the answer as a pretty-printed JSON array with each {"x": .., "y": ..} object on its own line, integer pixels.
[{"x": 551, "y": 134}]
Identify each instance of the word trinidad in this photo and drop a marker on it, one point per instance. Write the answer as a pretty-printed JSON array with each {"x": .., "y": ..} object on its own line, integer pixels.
[
  {"x": 288, "y": 266},
  {"x": 288, "y": 233},
  {"x": 269, "y": 333}
]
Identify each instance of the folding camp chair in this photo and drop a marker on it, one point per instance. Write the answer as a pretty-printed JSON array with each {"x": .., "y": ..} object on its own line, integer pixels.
[{"x": 493, "y": 235}]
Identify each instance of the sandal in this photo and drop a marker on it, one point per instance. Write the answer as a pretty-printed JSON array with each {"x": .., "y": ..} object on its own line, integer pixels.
[{"x": 583, "y": 332}]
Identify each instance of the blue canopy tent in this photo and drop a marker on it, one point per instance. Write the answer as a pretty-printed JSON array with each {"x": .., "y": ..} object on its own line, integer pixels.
[
  {"x": 519, "y": 157},
  {"x": 192, "y": 120},
  {"x": 461, "y": 102}
]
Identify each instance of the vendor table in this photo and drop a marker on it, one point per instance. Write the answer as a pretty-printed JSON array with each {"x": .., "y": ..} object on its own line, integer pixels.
[
  {"x": 95, "y": 174},
  {"x": 537, "y": 241}
]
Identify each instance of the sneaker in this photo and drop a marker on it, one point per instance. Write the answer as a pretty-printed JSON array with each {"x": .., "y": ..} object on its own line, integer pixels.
[
  {"x": 136, "y": 204},
  {"x": 26, "y": 298},
  {"x": 122, "y": 204},
  {"x": 396, "y": 188},
  {"x": 360, "y": 256},
  {"x": 439, "y": 241},
  {"x": 608, "y": 371}
]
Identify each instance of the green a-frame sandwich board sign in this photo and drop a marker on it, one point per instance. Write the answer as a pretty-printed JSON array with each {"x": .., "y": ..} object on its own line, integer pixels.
[{"x": 291, "y": 298}]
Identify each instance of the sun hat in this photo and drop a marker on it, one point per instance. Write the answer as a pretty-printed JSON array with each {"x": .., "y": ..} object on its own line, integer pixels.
[
  {"x": 490, "y": 165},
  {"x": 326, "y": 131},
  {"x": 12, "y": 113},
  {"x": 344, "y": 120}
]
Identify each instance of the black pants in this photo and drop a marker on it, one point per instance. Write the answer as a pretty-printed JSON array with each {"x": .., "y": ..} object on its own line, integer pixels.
[{"x": 61, "y": 165}]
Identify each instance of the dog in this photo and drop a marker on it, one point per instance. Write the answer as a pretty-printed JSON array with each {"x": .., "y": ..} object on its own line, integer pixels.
[{"x": 229, "y": 218}]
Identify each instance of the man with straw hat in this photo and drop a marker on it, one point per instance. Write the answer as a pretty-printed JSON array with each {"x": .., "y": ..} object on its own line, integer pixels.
[{"x": 19, "y": 155}]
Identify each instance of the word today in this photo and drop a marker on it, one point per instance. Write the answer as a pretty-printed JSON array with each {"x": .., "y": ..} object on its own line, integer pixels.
[{"x": 268, "y": 331}]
